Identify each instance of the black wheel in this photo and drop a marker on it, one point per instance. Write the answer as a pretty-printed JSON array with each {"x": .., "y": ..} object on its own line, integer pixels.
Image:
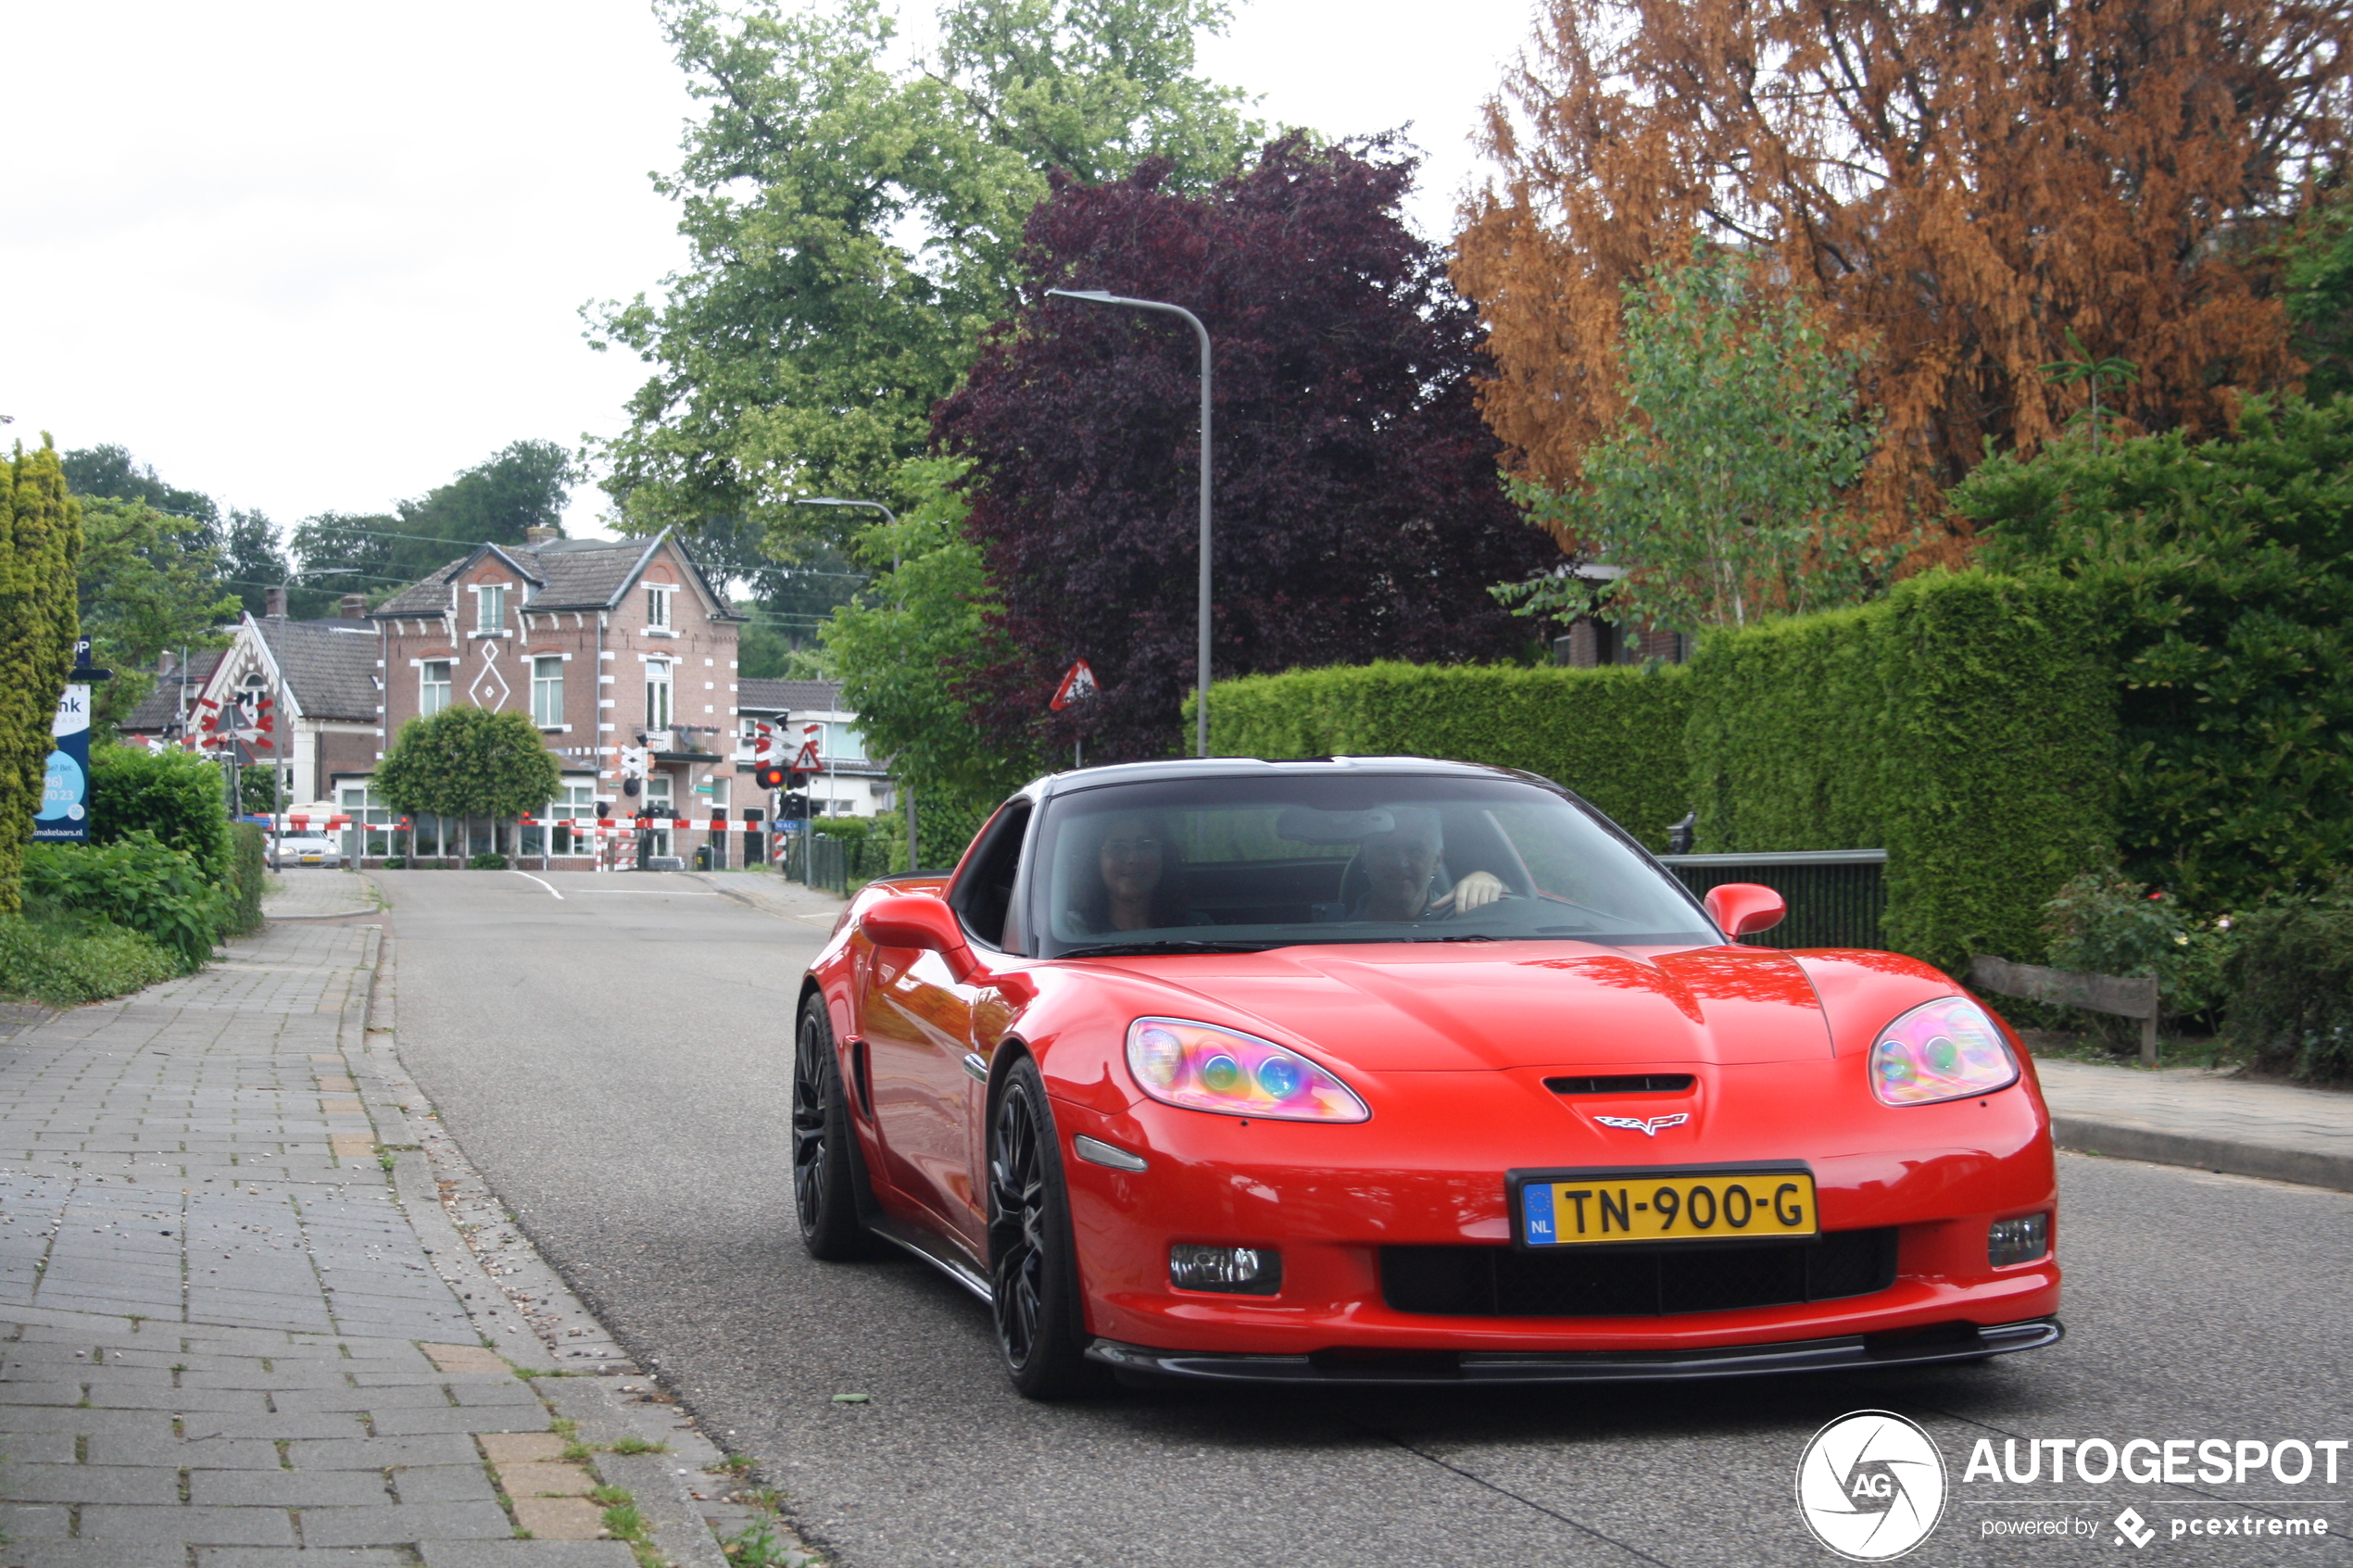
[
  {"x": 826, "y": 1170},
  {"x": 1032, "y": 1263}
]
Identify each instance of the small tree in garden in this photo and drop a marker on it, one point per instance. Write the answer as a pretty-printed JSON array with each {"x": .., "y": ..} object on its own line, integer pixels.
[
  {"x": 468, "y": 762},
  {"x": 40, "y": 553},
  {"x": 1723, "y": 490}
]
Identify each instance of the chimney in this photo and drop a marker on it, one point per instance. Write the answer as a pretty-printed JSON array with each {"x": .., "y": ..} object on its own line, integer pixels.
[
  {"x": 353, "y": 606},
  {"x": 273, "y": 603},
  {"x": 542, "y": 535},
  {"x": 166, "y": 662}
]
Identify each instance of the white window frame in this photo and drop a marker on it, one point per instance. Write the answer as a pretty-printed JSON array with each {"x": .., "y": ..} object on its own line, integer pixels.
[
  {"x": 490, "y": 596},
  {"x": 659, "y": 715},
  {"x": 548, "y": 691},
  {"x": 578, "y": 803},
  {"x": 657, "y": 605},
  {"x": 665, "y": 804},
  {"x": 426, "y": 685}
]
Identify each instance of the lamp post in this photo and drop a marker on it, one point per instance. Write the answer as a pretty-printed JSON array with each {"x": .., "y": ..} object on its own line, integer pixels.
[
  {"x": 1200, "y": 680},
  {"x": 892, "y": 517}
]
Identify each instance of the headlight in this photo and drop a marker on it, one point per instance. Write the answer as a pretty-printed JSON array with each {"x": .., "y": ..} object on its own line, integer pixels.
[
  {"x": 1944, "y": 1049},
  {"x": 1202, "y": 1067}
]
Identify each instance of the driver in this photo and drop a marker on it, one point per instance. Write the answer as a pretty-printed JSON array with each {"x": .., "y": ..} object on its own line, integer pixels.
[{"x": 1400, "y": 865}]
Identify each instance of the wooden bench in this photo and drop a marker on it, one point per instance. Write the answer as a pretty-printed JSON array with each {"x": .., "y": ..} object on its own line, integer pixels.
[{"x": 2122, "y": 995}]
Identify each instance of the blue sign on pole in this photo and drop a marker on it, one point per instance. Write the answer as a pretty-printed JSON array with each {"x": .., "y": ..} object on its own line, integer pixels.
[{"x": 63, "y": 817}]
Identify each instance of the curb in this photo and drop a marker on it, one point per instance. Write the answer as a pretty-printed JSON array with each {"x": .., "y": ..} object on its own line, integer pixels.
[{"x": 2121, "y": 1140}]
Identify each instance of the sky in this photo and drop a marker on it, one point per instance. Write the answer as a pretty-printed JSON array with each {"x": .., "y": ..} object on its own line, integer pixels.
[{"x": 307, "y": 256}]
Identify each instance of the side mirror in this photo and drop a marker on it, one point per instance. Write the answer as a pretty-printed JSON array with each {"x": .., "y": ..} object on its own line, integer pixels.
[
  {"x": 1741, "y": 908},
  {"x": 910, "y": 919}
]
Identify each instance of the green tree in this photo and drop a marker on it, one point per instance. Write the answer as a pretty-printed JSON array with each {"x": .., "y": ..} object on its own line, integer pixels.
[
  {"x": 254, "y": 561},
  {"x": 523, "y": 486},
  {"x": 855, "y": 229},
  {"x": 143, "y": 588},
  {"x": 40, "y": 553},
  {"x": 1723, "y": 491},
  {"x": 2317, "y": 283},
  {"x": 112, "y": 471},
  {"x": 468, "y": 762},
  {"x": 900, "y": 650}
]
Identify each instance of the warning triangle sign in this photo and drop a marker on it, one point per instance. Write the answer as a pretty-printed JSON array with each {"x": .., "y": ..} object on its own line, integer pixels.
[{"x": 1077, "y": 685}]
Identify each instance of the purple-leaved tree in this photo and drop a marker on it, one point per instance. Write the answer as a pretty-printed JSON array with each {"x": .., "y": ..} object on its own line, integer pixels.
[{"x": 1359, "y": 515}]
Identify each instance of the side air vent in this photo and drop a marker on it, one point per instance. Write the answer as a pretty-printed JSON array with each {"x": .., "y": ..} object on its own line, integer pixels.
[{"x": 1624, "y": 1084}]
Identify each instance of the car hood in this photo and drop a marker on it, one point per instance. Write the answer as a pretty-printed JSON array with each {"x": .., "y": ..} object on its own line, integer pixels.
[{"x": 1409, "y": 1007}]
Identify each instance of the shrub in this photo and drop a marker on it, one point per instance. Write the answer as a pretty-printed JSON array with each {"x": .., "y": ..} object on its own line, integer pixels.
[
  {"x": 176, "y": 795},
  {"x": 2291, "y": 977},
  {"x": 2102, "y": 922},
  {"x": 489, "y": 860},
  {"x": 138, "y": 881},
  {"x": 1963, "y": 723},
  {"x": 1614, "y": 736},
  {"x": 248, "y": 875},
  {"x": 66, "y": 962}
]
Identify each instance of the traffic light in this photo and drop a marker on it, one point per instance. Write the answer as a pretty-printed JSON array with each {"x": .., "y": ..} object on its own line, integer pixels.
[
  {"x": 795, "y": 808},
  {"x": 770, "y": 775}
]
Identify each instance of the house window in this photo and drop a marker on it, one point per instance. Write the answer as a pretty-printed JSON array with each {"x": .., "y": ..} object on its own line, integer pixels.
[
  {"x": 371, "y": 819},
  {"x": 658, "y": 608},
  {"x": 490, "y": 608},
  {"x": 547, "y": 692},
  {"x": 843, "y": 743},
  {"x": 575, "y": 804},
  {"x": 656, "y": 694},
  {"x": 432, "y": 687}
]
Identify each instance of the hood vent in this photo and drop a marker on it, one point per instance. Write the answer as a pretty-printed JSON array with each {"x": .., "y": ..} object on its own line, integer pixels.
[{"x": 1623, "y": 1084}]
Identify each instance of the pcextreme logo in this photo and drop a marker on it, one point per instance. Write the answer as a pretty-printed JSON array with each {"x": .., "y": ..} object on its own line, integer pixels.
[{"x": 1870, "y": 1485}]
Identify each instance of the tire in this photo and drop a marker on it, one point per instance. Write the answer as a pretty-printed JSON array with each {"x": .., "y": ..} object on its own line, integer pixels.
[
  {"x": 1032, "y": 1268},
  {"x": 828, "y": 1178}
]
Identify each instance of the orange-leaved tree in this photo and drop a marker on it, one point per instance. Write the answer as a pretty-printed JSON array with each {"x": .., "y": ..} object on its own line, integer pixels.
[{"x": 1954, "y": 187}]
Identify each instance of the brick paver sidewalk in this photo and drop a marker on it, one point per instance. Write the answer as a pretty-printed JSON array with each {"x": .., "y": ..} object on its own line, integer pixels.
[
  {"x": 222, "y": 1342},
  {"x": 2189, "y": 1116},
  {"x": 315, "y": 892}
]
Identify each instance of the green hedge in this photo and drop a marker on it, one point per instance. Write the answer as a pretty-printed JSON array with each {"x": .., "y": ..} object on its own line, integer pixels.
[
  {"x": 249, "y": 874},
  {"x": 137, "y": 882},
  {"x": 175, "y": 794},
  {"x": 1965, "y": 724},
  {"x": 68, "y": 962},
  {"x": 1614, "y": 736}
]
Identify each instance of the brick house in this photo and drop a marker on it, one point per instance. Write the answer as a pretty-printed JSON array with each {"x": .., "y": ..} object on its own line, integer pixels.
[
  {"x": 605, "y": 643},
  {"x": 319, "y": 677}
]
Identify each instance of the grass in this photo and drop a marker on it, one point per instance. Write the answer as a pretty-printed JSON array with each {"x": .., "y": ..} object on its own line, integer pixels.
[{"x": 638, "y": 1446}]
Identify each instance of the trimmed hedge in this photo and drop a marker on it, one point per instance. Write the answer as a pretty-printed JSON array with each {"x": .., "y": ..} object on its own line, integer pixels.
[
  {"x": 1614, "y": 736},
  {"x": 1965, "y": 724},
  {"x": 175, "y": 794},
  {"x": 250, "y": 873}
]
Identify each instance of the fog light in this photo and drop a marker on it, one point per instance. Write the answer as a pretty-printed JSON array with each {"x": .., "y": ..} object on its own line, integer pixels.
[
  {"x": 2018, "y": 1241},
  {"x": 1232, "y": 1271}
]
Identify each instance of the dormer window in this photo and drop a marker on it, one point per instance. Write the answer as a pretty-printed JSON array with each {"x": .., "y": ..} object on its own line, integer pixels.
[
  {"x": 658, "y": 607},
  {"x": 490, "y": 606}
]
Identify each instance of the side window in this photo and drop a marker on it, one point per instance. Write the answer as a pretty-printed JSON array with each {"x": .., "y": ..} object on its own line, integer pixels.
[{"x": 983, "y": 897}]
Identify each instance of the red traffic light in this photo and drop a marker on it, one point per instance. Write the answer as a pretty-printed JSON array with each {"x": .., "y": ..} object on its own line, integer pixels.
[{"x": 776, "y": 775}]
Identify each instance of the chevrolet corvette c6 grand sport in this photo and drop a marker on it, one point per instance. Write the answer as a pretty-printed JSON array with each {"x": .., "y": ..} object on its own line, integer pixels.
[{"x": 1385, "y": 1069}]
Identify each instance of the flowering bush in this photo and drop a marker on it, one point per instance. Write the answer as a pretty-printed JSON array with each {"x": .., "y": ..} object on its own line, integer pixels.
[{"x": 2104, "y": 924}]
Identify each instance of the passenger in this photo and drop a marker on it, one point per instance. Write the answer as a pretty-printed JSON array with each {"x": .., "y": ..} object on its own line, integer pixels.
[
  {"x": 1132, "y": 889},
  {"x": 1400, "y": 865}
]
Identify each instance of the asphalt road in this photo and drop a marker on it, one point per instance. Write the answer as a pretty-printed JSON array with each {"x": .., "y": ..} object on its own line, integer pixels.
[{"x": 617, "y": 1063}]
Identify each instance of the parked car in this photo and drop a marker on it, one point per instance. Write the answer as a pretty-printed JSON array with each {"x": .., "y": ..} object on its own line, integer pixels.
[
  {"x": 1388, "y": 1069},
  {"x": 306, "y": 850}
]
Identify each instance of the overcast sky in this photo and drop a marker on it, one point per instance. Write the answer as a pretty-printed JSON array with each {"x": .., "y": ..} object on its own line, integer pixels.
[{"x": 311, "y": 256}]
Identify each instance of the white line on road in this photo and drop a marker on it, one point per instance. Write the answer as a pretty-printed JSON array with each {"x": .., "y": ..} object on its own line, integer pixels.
[
  {"x": 551, "y": 892},
  {"x": 646, "y": 892}
]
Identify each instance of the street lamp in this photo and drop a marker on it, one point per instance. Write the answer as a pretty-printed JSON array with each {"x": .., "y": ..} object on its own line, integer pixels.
[
  {"x": 1200, "y": 680},
  {"x": 892, "y": 517}
]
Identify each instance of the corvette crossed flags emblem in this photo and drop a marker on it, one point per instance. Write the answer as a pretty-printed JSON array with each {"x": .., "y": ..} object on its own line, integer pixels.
[{"x": 1649, "y": 1129}]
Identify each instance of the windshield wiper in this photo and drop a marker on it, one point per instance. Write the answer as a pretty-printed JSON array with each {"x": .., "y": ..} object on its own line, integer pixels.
[{"x": 1133, "y": 949}]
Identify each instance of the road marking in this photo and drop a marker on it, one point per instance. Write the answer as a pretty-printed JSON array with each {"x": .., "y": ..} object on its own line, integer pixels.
[
  {"x": 551, "y": 892},
  {"x": 645, "y": 892}
]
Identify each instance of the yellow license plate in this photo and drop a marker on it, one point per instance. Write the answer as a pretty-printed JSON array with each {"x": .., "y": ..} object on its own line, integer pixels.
[{"x": 1557, "y": 1211}]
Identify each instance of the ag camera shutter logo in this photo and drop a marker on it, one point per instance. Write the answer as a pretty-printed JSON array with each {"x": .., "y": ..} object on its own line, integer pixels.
[{"x": 1870, "y": 1485}]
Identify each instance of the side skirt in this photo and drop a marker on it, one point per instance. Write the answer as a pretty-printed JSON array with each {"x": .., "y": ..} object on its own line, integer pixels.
[{"x": 931, "y": 1249}]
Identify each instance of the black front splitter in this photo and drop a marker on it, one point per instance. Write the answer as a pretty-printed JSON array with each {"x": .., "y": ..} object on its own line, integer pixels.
[{"x": 1946, "y": 1342}]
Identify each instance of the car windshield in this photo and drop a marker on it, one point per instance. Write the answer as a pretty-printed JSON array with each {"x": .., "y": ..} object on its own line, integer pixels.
[{"x": 1243, "y": 863}]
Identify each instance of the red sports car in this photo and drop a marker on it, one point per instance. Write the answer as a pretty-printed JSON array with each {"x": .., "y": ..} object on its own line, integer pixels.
[{"x": 1385, "y": 1069}]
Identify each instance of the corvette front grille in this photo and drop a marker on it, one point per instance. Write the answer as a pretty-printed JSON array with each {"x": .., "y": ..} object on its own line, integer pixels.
[{"x": 1589, "y": 1282}]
